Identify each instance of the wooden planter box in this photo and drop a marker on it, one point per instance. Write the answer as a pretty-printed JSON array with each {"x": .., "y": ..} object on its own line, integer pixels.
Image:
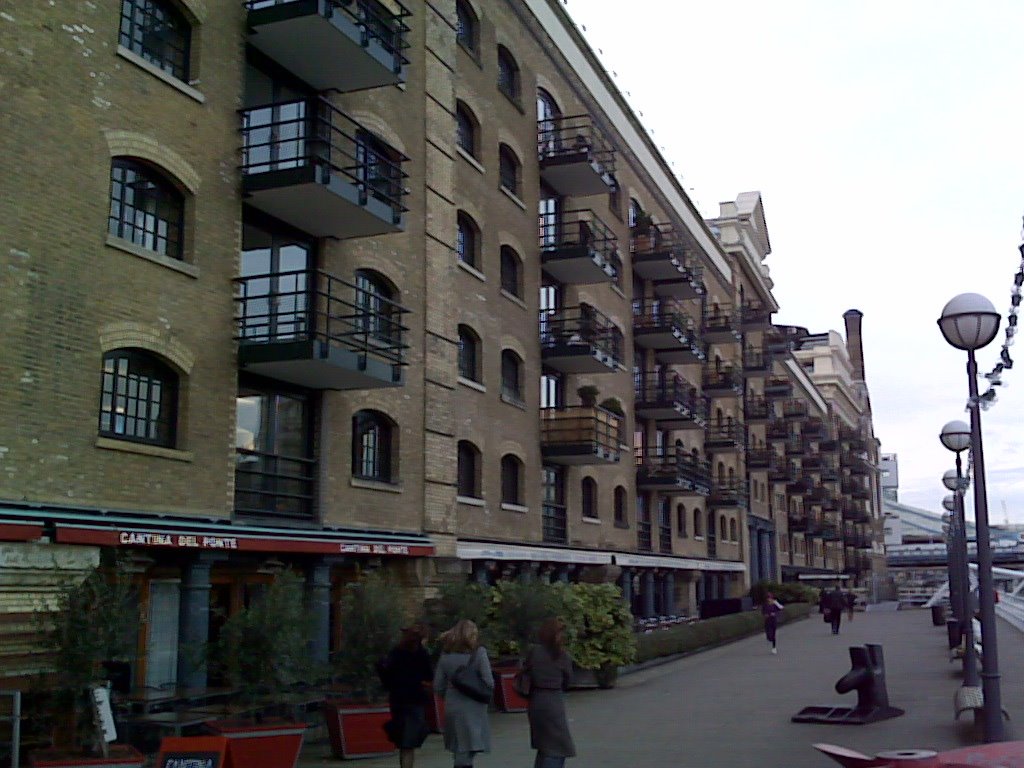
[
  {"x": 505, "y": 695},
  {"x": 605, "y": 677},
  {"x": 357, "y": 730},
  {"x": 121, "y": 756},
  {"x": 269, "y": 744},
  {"x": 435, "y": 713}
]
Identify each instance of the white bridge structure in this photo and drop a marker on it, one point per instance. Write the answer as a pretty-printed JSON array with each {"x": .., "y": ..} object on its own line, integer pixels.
[{"x": 1009, "y": 589}]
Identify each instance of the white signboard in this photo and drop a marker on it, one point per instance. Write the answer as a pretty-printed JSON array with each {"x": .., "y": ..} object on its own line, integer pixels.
[{"x": 102, "y": 713}]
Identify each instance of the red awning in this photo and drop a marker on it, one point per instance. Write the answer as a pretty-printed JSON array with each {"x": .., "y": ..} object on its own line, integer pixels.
[{"x": 17, "y": 530}]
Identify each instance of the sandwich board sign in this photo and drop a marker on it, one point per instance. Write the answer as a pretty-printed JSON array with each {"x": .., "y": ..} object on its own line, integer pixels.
[{"x": 192, "y": 752}]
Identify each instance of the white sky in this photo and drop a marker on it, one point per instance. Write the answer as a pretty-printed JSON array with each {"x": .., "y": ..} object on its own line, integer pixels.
[{"x": 886, "y": 140}]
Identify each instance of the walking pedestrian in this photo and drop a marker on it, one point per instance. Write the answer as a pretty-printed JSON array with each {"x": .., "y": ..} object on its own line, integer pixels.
[
  {"x": 406, "y": 674},
  {"x": 851, "y": 601},
  {"x": 836, "y": 604},
  {"x": 770, "y": 609},
  {"x": 467, "y": 729},
  {"x": 549, "y": 668}
]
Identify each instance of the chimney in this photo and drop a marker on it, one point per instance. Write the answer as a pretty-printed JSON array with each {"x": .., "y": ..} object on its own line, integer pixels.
[{"x": 854, "y": 345}]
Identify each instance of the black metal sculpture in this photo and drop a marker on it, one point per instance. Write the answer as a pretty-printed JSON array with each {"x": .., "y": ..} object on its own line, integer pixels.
[{"x": 867, "y": 677}]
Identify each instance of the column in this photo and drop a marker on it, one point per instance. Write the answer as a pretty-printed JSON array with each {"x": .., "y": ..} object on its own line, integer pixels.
[
  {"x": 755, "y": 552},
  {"x": 480, "y": 572},
  {"x": 669, "y": 601},
  {"x": 562, "y": 574},
  {"x": 318, "y": 603},
  {"x": 647, "y": 593},
  {"x": 193, "y": 623},
  {"x": 627, "y": 587}
]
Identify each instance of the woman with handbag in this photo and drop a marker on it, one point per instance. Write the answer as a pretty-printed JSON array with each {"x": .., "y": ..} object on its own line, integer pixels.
[
  {"x": 548, "y": 670},
  {"x": 464, "y": 678},
  {"x": 406, "y": 675}
]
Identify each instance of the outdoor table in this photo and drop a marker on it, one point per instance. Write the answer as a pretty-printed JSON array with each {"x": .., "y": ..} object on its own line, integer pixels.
[{"x": 175, "y": 722}]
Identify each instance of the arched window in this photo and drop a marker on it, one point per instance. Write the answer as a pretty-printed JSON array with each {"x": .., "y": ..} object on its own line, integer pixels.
[
  {"x": 508, "y": 74},
  {"x": 732, "y": 476},
  {"x": 511, "y": 480},
  {"x": 509, "y": 170},
  {"x": 720, "y": 472},
  {"x": 681, "y": 520},
  {"x": 718, "y": 417},
  {"x": 620, "y": 506},
  {"x": 373, "y": 451},
  {"x": 376, "y": 299},
  {"x": 696, "y": 524},
  {"x": 467, "y": 32},
  {"x": 588, "y": 498},
  {"x": 468, "y": 470},
  {"x": 722, "y": 528},
  {"x": 159, "y": 33},
  {"x": 511, "y": 272},
  {"x": 467, "y": 241},
  {"x": 511, "y": 376},
  {"x": 467, "y": 129},
  {"x": 145, "y": 208},
  {"x": 138, "y": 398},
  {"x": 469, "y": 353},
  {"x": 548, "y": 114},
  {"x": 732, "y": 530}
]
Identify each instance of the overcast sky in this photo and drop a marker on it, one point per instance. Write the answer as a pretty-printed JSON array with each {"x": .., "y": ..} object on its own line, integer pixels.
[{"x": 887, "y": 140}]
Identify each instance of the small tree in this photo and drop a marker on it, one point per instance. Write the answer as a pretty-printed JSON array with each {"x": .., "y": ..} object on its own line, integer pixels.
[
  {"x": 371, "y": 618},
  {"x": 460, "y": 600},
  {"x": 604, "y": 635},
  {"x": 517, "y": 611}
]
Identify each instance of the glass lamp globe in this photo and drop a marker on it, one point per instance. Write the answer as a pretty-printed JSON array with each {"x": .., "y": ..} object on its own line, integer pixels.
[
  {"x": 949, "y": 480},
  {"x": 948, "y": 503},
  {"x": 956, "y": 436},
  {"x": 969, "y": 321}
]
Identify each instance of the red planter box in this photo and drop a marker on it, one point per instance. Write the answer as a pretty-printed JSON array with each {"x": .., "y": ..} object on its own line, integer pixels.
[
  {"x": 357, "y": 730},
  {"x": 121, "y": 756},
  {"x": 270, "y": 744},
  {"x": 435, "y": 713},
  {"x": 505, "y": 695}
]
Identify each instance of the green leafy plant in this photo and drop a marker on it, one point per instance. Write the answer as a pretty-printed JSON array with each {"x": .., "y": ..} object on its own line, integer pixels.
[
  {"x": 588, "y": 394},
  {"x": 614, "y": 405},
  {"x": 785, "y": 593},
  {"x": 372, "y": 615},
  {"x": 516, "y": 612},
  {"x": 603, "y": 627},
  {"x": 460, "y": 600}
]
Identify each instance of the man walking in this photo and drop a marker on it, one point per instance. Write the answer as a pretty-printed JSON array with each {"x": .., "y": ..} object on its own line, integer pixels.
[{"x": 836, "y": 604}]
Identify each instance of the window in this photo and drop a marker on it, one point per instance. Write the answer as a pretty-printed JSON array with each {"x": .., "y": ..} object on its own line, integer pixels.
[
  {"x": 722, "y": 528},
  {"x": 159, "y": 33},
  {"x": 275, "y": 268},
  {"x": 468, "y": 470},
  {"x": 467, "y": 129},
  {"x": 139, "y": 398},
  {"x": 378, "y": 314},
  {"x": 588, "y": 498},
  {"x": 468, "y": 30},
  {"x": 511, "y": 272},
  {"x": 508, "y": 74},
  {"x": 469, "y": 354},
  {"x": 548, "y": 115},
  {"x": 508, "y": 169},
  {"x": 467, "y": 241},
  {"x": 372, "y": 448},
  {"x": 696, "y": 524},
  {"x": 681, "y": 519},
  {"x": 620, "y": 507},
  {"x": 636, "y": 212},
  {"x": 511, "y": 480},
  {"x": 733, "y": 534},
  {"x": 549, "y": 217},
  {"x": 145, "y": 208},
  {"x": 511, "y": 376},
  {"x": 379, "y": 166}
]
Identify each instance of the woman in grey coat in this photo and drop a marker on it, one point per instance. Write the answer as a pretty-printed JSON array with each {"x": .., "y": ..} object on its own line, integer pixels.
[
  {"x": 467, "y": 728},
  {"x": 549, "y": 668}
]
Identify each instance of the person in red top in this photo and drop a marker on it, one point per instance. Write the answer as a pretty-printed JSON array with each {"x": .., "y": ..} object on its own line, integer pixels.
[{"x": 770, "y": 609}]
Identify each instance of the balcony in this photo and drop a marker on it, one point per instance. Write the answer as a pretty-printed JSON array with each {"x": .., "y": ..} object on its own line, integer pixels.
[
  {"x": 857, "y": 538},
  {"x": 795, "y": 447},
  {"x": 580, "y": 340},
  {"x": 813, "y": 428},
  {"x": 807, "y": 523},
  {"x": 672, "y": 334},
  {"x": 665, "y": 539},
  {"x": 726, "y": 382},
  {"x": 314, "y": 330},
  {"x": 269, "y": 485},
  {"x": 778, "y": 341},
  {"x": 759, "y": 458},
  {"x": 778, "y": 386},
  {"x": 781, "y": 471},
  {"x": 777, "y": 430},
  {"x": 810, "y": 461},
  {"x": 313, "y": 167},
  {"x": 754, "y": 315},
  {"x": 725, "y": 437},
  {"x": 727, "y": 494},
  {"x": 672, "y": 472},
  {"x": 830, "y": 531},
  {"x": 575, "y": 157},
  {"x": 756, "y": 364},
  {"x": 860, "y": 466},
  {"x": 670, "y": 400},
  {"x": 721, "y": 326},
  {"x": 855, "y": 511},
  {"x": 852, "y": 438},
  {"x": 554, "y": 527},
  {"x": 860, "y": 491},
  {"x": 828, "y": 446},
  {"x": 580, "y": 434},
  {"x": 800, "y": 485},
  {"x": 686, "y": 282},
  {"x": 818, "y": 496},
  {"x": 829, "y": 471},
  {"x": 332, "y": 44},
  {"x": 643, "y": 536},
  {"x": 578, "y": 248},
  {"x": 794, "y": 409}
]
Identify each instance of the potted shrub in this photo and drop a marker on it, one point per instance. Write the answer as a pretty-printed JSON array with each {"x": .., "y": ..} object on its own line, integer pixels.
[
  {"x": 603, "y": 639},
  {"x": 614, "y": 405},
  {"x": 262, "y": 651},
  {"x": 641, "y": 232},
  {"x": 588, "y": 395},
  {"x": 94, "y": 621},
  {"x": 371, "y": 618}
]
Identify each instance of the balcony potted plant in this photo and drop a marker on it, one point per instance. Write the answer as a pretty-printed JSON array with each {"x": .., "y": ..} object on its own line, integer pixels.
[
  {"x": 614, "y": 405},
  {"x": 94, "y": 621},
  {"x": 603, "y": 639},
  {"x": 371, "y": 618},
  {"x": 588, "y": 395},
  {"x": 641, "y": 233},
  {"x": 262, "y": 651}
]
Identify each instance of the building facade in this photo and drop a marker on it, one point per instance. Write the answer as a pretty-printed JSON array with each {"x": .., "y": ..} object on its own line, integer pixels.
[{"x": 345, "y": 286}]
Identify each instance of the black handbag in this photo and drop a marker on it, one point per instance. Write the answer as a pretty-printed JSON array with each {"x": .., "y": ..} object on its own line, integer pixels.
[{"x": 468, "y": 681}]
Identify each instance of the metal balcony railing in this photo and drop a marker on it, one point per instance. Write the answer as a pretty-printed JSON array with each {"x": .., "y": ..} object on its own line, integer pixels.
[
  {"x": 580, "y": 325},
  {"x": 720, "y": 320},
  {"x": 754, "y": 313},
  {"x": 271, "y": 485},
  {"x": 653, "y": 387},
  {"x": 657, "y": 466},
  {"x": 578, "y": 425},
  {"x": 665, "y": 539},
  {"x": 643, "y": 535},
  {"x": 794, "y": 409},
  {"x": 728, "y": 494},
  {"x": 650, "y": 314},
  {"x": 756, "y": 409},
  {"x": 725, "y": 434},
  {"x": 759, "y": 458},
  {"x": 580, "y": 229},
  {"x": 728, "y": 377},
  {"x": 777, "y": 430},
  {"x": 554, "y": 527},
  {"x": 571, "y": 135},
  {"x": 755, "y": 360}
]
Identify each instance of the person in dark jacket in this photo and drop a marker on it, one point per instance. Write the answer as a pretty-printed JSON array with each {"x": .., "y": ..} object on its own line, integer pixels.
[
  {"x": 770, "y": 609},
  {"x": 549, "y": 668},
  {"x": 835, "y": 606},
  {"x": 851, "y": 602},
  {"x": 407, "y": 676}
]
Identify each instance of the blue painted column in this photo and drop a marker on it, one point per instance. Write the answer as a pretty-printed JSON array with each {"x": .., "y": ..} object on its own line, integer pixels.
[
  {"x": 318, "y": 602},
  {"x": 668, "y": 603},
  {"x": 480, "y": 572},
  {"x": 755, "y": 553},
  {"x": 627, "y": 587},
  {"x": 193, "y": 623},
  {"x": 647, "y": 592}
]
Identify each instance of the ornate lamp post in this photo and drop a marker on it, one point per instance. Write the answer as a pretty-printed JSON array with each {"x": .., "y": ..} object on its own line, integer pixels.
[{"x": 969, "y": 322}]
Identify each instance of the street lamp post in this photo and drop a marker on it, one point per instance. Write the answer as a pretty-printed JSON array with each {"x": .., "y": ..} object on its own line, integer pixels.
[
  {"x": 953, "y": 567},
  {"x": 969, "y": 322}
]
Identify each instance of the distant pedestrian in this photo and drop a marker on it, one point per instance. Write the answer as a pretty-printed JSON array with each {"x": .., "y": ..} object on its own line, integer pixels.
[
  {"x": 549, "y": 668},
  {"x": 406, "y": 674},
  {"x": 770, "y": 609},
  {"x": 836, "y": 604},
  {"x": 467, "y": 728},
  {"x": 851, "y": 601}
]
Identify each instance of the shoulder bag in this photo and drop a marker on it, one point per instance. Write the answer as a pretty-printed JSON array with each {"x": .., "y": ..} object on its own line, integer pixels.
[
  {"x": 468, "y": 681},
  {"x": 522, "y": 683}
]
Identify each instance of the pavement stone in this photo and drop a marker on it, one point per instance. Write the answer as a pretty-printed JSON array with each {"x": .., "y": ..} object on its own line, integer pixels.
[{"x": 730, "y": 706}]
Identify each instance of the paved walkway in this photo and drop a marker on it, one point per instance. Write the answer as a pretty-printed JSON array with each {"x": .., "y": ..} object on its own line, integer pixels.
[{"x": 731, "y": 706}]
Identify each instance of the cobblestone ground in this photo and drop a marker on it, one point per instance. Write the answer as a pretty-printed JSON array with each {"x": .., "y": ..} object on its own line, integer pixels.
[{"x": 731, "y": 706}]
